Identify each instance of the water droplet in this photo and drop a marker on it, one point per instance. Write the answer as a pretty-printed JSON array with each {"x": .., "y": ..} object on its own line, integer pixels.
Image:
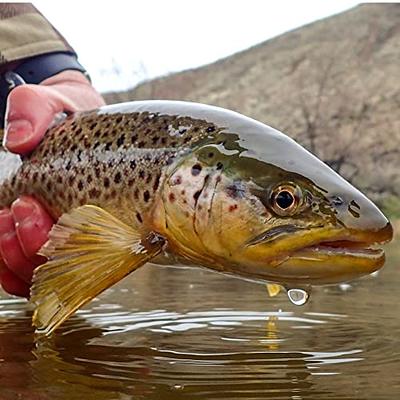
[{"x": 298, "y": 297}]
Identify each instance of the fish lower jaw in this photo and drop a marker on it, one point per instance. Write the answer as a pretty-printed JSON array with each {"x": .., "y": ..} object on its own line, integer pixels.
[
  {"x": 316, "y": 251},
  {"x": 325, "y": 264}
]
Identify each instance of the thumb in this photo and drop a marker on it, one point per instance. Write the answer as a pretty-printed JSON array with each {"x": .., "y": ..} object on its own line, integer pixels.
[{"x": 30, "y": 111}]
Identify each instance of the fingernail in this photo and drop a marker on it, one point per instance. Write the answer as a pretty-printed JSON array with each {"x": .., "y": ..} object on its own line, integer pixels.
[
  {"x": 22, "y": 209},
  {"x": 18, "y": 132}
]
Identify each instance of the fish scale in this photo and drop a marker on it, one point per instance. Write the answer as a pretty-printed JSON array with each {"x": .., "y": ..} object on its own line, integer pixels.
[{"x": 115, "y": 161}]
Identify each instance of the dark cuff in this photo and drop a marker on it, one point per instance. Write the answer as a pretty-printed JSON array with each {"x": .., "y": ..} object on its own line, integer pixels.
[{"x": 35, "y": 70}]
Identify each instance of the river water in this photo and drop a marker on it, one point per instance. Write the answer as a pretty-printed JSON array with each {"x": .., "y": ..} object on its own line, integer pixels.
[{"x": 168, "y": 333}]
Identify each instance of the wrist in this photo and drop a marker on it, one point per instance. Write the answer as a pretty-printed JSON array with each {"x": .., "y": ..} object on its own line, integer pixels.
[{"x": 66, "y": 77}]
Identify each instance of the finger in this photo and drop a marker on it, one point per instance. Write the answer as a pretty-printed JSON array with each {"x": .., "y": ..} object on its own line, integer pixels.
[
  {"x": 14, "y": 258},
  {"x": 10, "y": 248},
  {"x": 11, "y": 283},
  {"x": 30, "y": 110},
  {"x": 32, "y": 225}
]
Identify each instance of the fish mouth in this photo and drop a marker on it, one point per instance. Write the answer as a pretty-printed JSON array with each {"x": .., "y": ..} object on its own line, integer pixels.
[
  {"x": 339, "y": 255},
  {"x": 342, "y": 248}
]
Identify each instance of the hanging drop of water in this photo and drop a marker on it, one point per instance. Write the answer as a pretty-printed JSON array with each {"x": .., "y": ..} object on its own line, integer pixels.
[{"x": 298, "y": 297}]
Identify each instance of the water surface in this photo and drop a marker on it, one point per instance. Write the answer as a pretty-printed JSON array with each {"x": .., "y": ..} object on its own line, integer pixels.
[{"x": 167, "y": 333}]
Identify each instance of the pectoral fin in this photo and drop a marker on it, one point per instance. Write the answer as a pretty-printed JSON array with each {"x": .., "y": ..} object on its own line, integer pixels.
[
  {"x": 88, "y": 251},
  {"x": 273, "y": 289}
]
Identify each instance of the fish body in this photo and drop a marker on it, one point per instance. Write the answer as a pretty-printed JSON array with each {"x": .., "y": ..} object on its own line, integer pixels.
[{"x": 188, "y": 183}]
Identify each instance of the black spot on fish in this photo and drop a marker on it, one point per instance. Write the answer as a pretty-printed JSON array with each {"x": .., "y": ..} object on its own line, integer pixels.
[
  {"x": 220, "y": 165},
  {"x": 117, "y": 177},
  {"x": 108, "y": 146},
  {"x": 196, "y": 169},
  {"x": 133, "y": 138},
  {"x": 141, "y": 174},
  {"x": 121, "y": 140},
  {"x": 80, "y": 185},
  {"x": 196, "y": 195},
  {"x": 106, "y": 182},
  {"x": 139, "y": 217},
  {"x": 146, "y": 196},
  {"x": 156, "y": 182}
]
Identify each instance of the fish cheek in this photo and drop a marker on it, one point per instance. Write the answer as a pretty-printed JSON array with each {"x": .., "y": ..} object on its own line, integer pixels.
[{"x": 231, "y": 221}]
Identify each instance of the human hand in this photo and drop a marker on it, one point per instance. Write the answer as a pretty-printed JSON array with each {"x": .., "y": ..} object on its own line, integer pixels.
[{"x": 25, "y": 225}]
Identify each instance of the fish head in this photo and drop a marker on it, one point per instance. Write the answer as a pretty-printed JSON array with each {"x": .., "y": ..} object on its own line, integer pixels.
[{"x": 252, "y": 202}]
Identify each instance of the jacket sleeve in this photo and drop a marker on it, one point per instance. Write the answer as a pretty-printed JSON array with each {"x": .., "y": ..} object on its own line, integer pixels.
[{"x": 24, "y": 33}]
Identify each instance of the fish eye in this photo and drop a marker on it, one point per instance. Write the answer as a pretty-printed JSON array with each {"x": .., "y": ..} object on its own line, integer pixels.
[{"x": 285, "y": 199}]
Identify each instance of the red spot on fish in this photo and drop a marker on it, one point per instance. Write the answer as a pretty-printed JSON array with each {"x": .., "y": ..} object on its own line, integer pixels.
[
  {"x": 218, "y": 179},
  {"x": 176, "y": 180},
  {"x": 171, "y": 197},
  {"x": 233, "y": 207}
]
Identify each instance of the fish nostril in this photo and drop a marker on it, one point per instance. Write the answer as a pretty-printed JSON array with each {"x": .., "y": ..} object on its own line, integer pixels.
[{"x": 337, "y": 201}]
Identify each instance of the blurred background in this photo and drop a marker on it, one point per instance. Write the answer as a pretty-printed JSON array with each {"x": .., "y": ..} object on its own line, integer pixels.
[{"x": 324, "y": 72}]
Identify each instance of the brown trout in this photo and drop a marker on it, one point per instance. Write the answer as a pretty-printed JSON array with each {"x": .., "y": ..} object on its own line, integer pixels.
[{"x": 184, "y": 183}]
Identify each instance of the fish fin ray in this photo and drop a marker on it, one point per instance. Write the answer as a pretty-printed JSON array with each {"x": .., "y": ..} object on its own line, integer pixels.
[{"x": 88, "y": 251}]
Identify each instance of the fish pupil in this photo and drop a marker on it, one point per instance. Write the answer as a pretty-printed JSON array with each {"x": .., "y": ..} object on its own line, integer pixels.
[{"x": 284, "y": 199}]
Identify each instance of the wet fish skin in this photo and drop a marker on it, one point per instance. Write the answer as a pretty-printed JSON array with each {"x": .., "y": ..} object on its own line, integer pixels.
[{"x": 115, "y": 161}]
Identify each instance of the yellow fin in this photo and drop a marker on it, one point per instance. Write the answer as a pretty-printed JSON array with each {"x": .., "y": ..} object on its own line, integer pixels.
[
  {"x": 88, "y": 251},
  {"x": 273, "y": 289}
]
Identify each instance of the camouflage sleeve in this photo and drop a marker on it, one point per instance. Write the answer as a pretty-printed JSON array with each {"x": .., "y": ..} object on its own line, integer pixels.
[{"x": 25, "y": 32}]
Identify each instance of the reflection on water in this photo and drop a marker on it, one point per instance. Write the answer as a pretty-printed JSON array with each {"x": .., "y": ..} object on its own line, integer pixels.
[{"x": 190, "y": 334}]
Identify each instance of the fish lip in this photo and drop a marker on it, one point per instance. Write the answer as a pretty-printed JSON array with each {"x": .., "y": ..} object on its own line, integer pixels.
[
  {"x": 357, "y": 244},
  {"x": 360, "y": 251},
  {"x": 351, "y": 242}
]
